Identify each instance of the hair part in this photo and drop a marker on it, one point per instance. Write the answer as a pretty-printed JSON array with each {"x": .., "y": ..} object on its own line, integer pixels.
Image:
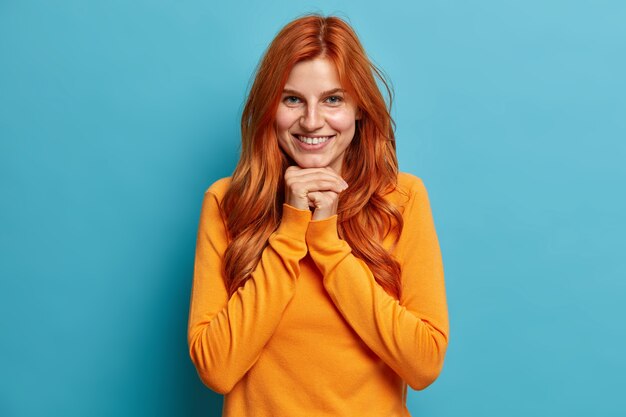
[{"x": 252, "y": 206}]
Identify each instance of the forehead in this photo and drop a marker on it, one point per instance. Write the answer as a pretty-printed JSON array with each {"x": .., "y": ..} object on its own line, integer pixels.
[{"x": 312, "y": 76}]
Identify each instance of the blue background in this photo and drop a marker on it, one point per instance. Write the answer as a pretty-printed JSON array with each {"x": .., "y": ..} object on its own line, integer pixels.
[{"x": 116, "y": 116}]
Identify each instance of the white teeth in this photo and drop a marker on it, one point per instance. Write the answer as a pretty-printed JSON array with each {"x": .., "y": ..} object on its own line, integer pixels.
[{"x": 313, "y": 141}]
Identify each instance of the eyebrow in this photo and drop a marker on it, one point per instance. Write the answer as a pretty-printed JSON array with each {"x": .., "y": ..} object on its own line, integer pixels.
[{"x": 325, "y": 93}]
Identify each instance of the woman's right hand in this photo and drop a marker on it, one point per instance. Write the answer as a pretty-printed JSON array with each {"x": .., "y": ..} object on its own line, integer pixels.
[{"x": 316, "y": 188}]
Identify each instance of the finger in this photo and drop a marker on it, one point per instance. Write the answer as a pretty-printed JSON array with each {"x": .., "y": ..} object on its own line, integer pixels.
[
  {"x": 324, "y": 204},
  {"x": 314, "y": 198},
  {"x": 319, "y": 199},
  {"x": 313, "y": 176},
  {"x": 292, "y": 170},
  {"x": 305, "y": 187},
  {"x": 294, "y": 173},
  {"x": 301, "y": 172}
]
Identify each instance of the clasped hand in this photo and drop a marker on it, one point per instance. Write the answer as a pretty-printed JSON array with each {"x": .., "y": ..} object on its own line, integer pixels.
[{"x": 314, "y": 188}]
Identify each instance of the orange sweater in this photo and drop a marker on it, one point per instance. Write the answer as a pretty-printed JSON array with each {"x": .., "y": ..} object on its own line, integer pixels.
[{"x": 311, "y": 333}]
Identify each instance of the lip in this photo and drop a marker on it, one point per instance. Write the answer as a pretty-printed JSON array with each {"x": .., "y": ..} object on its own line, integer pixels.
[
  {"x": 312, "y": 136},
  {"x": 313, "y": 147}
]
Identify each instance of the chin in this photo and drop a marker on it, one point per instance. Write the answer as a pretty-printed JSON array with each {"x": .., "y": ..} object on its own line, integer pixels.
[{"x": 308, "y": 163}]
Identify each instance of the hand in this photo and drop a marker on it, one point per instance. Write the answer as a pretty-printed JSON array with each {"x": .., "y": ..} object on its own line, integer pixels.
[{"x": 316, "y": 188}]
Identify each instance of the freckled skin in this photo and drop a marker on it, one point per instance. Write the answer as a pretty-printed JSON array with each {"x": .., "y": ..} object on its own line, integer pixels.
[{"x": 306, "y": 109}]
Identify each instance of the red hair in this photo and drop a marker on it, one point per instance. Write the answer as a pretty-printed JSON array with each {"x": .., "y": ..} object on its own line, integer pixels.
[{"x": 252, "y": 206}]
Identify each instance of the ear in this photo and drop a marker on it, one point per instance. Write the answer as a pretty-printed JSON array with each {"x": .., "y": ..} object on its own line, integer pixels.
[{"x": 359, "y": 114}]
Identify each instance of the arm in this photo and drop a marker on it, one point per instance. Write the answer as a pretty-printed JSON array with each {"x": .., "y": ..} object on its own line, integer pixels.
[
  {"x": 226, "y": 335},
  {"x": 409, "y": 335}
]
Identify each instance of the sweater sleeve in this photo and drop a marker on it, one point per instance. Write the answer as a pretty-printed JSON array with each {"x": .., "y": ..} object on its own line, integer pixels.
[
  {"x": 410, "y": 335},
  {"x": 226, "y": 335}
]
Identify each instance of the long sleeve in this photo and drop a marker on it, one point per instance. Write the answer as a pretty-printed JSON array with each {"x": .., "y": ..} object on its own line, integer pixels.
[
  {"x": 226, "y": 335},
  {"x": 409, "y": 335}
]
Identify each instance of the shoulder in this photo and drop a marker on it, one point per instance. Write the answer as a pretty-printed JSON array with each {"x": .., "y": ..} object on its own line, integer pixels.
[
  {"x": 409, "y": 183},
  {"x": 211, "y": 204},
  {"x": 408, "y": 188},
  {"x": 218, "y": 188}
]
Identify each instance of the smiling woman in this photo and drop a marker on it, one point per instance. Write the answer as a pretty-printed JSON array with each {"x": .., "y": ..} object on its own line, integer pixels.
[
  {"x": 318, "y": 285},
  {"x": 315, "y": 120}
]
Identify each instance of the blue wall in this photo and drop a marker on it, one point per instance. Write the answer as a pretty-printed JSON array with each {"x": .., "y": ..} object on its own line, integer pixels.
[{"x": 115, "y": 116}]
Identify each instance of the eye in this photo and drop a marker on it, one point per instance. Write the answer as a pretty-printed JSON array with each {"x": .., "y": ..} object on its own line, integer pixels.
[
  {"x": 334, "y": 99},
  {"x": 291, "y": 100}
]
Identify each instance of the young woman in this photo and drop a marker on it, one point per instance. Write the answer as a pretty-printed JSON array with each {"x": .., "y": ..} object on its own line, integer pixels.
[{"x": 318, "y": 286}]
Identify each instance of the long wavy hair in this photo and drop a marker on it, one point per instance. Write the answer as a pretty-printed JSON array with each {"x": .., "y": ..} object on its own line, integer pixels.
[{"x": 252, "y": 206}]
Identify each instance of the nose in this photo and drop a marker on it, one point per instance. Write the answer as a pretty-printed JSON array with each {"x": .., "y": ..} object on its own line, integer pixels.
[{"x": 312, "y": 119}]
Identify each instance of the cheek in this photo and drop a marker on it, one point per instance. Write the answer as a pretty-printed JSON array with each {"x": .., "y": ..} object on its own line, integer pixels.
[
  {"x": 282, "y": 123},
  {"x": 343, "y": 121},
  {"x": 284, "y": 120}
]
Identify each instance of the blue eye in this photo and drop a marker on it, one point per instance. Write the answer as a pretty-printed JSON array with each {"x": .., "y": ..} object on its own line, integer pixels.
[
  {"x": 291, "y": 100},
  {"x": 334, "y": 99}
]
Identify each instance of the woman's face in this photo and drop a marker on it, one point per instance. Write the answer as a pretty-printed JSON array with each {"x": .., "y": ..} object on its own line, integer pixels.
[{"x": 315, "y": 120}]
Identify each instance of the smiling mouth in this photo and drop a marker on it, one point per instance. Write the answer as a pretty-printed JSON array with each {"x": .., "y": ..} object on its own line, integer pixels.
[{"x": 313, "y": 140}]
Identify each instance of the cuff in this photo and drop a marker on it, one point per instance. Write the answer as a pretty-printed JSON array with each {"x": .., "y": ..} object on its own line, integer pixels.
[
  {"x": 294, "y": 222},
  {"x": 322, "y": 234}
]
